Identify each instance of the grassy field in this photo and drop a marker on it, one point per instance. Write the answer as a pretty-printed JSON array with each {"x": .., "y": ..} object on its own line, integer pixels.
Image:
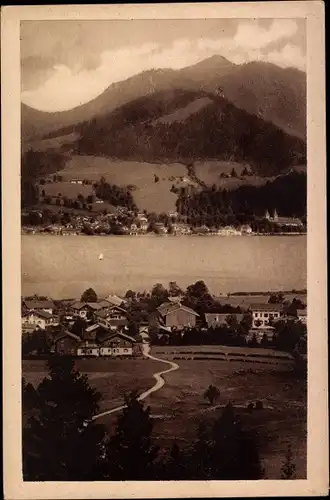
[
  {"x": 179, "y": 406},
  {"x": 282, "y": 421},
  {"x": 67, "y": 189},
  {"x": 150, "y": 195},
  {"x": 210, "y": 171},
  {"x": 113, "y": 378},
  {"x": 246, "y": 300}
]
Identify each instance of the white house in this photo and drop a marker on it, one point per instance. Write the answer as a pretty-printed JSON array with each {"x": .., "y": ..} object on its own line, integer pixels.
[
  {"x": 38, "y": 319},
  {"x": 39, "y": 305},
  {"x": 263, "y": 317}
]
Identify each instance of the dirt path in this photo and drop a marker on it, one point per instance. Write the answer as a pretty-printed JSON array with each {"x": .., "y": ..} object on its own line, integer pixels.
[{"x": 157, "y": 376}]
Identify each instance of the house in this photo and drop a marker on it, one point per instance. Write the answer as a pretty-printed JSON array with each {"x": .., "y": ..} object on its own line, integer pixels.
[
  {"x": 302, "y": 315},
  {"x": 39, "y": 305},
  {"x": 116, "y": 344},
  {"x": 285, "y": 222},
  {"x": 76, "y": 181},
  {"x": 38, "y": 319},
  {"x": 178, "y": 228},
  {"x": 66, "y": 343},
  {"x": 264, "y": 314},
  {"x": 215, "y": 320},
  {"x": 133, "y": 229},
  {"x": 177, "y": 316},
  {"x": 115, "y": 300},
  {"x": 84, "y": 310},
  {"x": 144, "y": 334},
  {"x": 263, "y": 317},
  {"x": 113, "y": 318},
  {"x": 246, "y": 229},
  {"x": 89, "y": 344}
]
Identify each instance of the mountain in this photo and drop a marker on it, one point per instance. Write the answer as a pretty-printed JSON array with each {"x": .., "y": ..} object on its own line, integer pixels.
[
  {"x": 186, "y": 126},
  {"x": 278, "y": 95}
]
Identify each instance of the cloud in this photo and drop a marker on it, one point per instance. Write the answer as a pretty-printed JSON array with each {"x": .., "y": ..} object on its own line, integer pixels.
[
  {"x": 250, "y": 36},
  {"x": 67, "y": 87},
  {"x": 290, "y": 55}
]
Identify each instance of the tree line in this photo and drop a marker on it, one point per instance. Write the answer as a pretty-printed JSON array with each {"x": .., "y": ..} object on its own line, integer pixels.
[
  {"x": 215, "y": 206},
  {"x": 218, "y": 131}
]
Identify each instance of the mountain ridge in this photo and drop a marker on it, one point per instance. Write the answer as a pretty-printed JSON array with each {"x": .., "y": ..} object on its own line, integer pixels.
[
  {"x": 277, "y": 94},
  {"x": 217, "y": 130}
]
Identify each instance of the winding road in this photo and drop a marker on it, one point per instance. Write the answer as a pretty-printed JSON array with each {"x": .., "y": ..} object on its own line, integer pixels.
[{"x": 158, "y": 385}]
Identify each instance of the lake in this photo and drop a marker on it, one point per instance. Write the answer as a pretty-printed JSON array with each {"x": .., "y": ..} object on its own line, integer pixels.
[{"x": 64, "y": 266}]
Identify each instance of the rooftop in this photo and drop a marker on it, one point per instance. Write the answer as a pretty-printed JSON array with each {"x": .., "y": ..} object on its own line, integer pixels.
[
  {"x": 267, "y": 307},
  {"x": 39, "y": 304}
]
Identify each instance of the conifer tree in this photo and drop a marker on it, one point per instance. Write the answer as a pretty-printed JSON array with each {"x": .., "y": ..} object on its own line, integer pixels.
[
  {"x": 131, "y": 453},
  {"x": 59, "y": 441}
]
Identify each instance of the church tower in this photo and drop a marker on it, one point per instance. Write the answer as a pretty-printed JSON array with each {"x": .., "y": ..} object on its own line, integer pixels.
[
  {"x": 275, "y": 215},
  {"x": 267, "y": 216}
]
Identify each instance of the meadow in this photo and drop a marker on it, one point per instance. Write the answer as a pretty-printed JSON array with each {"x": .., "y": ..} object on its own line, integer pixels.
[
  {"x": 179, "y": 406},
  {"x": 148, "y": 194}
]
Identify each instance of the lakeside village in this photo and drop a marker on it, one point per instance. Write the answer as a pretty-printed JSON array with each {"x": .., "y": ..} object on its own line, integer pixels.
[
  {"x": 122, "y": 221},
  {"x": 118, "y": 327}
]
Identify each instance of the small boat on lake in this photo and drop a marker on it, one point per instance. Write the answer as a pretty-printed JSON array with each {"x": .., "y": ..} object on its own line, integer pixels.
[{"x": 101, "y": 256}]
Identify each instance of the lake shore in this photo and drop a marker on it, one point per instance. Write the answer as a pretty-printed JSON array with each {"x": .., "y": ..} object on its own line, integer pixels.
[{"x": 43, "y": 233}]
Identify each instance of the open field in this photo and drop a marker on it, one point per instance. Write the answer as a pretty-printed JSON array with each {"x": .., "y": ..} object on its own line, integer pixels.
[
  {"x": 112, "y": 377},
  {"x": 246, "y": 300},
  {"x": 179, "y": 406},
  {"x": 223, "y": 353},
  {"x": 282, "y": 421},
  {"x": 53, "y": 144},
  {"x": 66, "y": 188},
  {"x": 149, "y": 195},
  {"x": 210, "y": 171}
]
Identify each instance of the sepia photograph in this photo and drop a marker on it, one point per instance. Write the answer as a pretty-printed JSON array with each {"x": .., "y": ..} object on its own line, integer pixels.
[{"x": 164, "y": 237}]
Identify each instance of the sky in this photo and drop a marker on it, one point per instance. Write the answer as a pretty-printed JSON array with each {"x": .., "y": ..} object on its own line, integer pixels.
[{"x": 65, "y": 64}]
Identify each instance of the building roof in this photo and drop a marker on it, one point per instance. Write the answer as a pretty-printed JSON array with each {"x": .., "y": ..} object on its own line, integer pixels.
[
  {"x": 105, "y": 313},
  {"x": 267, "y": 307},
  {"x": 92, "y": 328},
  {"x": 92, "y": 305},
  {"x": 302, "y": 312},
  {"x": 39, "y": 304},
  {"x": 175, "y": 307},
  {"x": 42, "y": 314},
  {"x": 66, "y": 333},
  {"x": 115, "y": 300},
  {"x": 221, "y": 318},
  {"x": 110, "y": 335},
  {"x": 164, "y": 307}
]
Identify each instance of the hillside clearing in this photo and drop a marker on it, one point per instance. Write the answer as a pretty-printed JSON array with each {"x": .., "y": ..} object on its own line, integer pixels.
[
  {"x": 210, "y": 173},
  {"x": 148, "y": 194}
]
